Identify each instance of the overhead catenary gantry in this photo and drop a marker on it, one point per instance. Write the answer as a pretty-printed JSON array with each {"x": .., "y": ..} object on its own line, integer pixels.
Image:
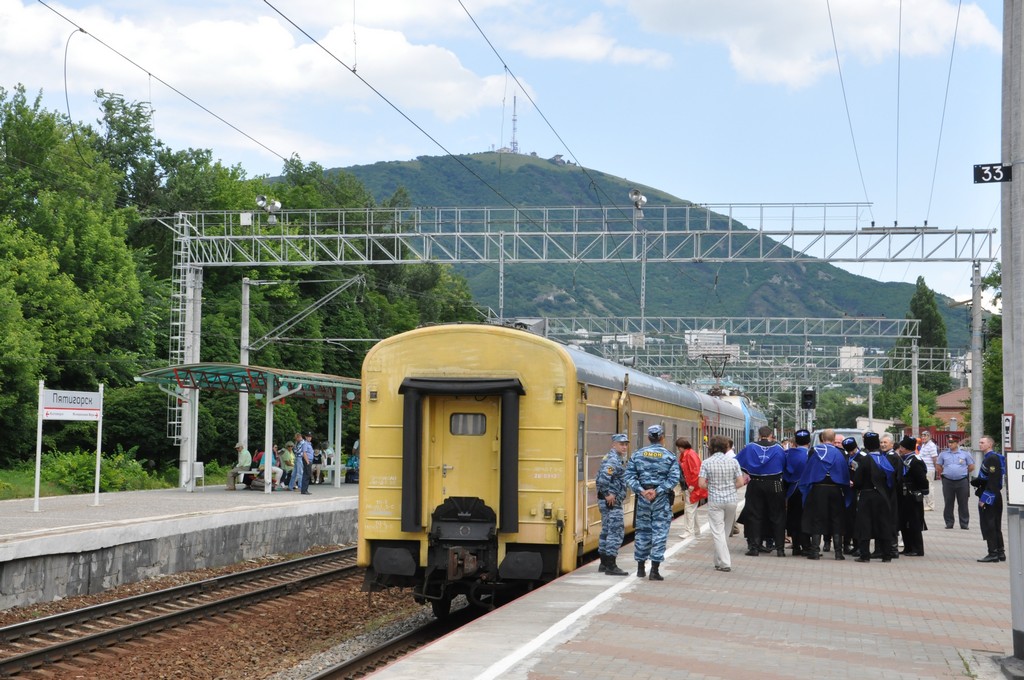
[{"x": 736, "y": 232}]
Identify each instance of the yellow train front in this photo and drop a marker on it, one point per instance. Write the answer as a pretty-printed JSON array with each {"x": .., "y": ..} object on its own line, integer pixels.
[{"x": 479, "y": 447}]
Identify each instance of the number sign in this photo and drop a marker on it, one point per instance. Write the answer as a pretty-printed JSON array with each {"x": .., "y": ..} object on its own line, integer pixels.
[{"x": 994, "y": 172}]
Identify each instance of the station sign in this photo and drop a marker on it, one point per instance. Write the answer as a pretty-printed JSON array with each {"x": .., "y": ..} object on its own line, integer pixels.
[
  {"x": 64, "y": 405},
  {"x": 1015, "y": 478}
]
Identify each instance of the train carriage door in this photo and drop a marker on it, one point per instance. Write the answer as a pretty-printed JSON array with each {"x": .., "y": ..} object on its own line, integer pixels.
[{"x": 463, "y": 449}]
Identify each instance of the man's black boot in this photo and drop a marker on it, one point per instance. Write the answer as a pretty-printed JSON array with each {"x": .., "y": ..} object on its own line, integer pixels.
[
  {"x": 837, "y": 541},
  {"x": 641, "y": 569},
  {"x": 655, "y": 575},
  {"x": 612, "y": 569},
  {"x": 752, "y": 550},
  {"x": 604, "y": 565}
]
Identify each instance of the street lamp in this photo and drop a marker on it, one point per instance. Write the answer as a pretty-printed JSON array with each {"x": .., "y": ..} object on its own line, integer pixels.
[
  {"x": 639, "y": 201},
  {"x": 269, "y": 206}
]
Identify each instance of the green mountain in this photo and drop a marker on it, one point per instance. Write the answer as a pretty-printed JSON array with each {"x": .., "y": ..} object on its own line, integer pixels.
[{"x": 805, "y": 289}]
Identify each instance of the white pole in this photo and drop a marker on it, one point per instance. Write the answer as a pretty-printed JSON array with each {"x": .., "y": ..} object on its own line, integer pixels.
[
  {"x": 39, "y": 446},
  {"x": 339, "y": 394},
  {"x": 99, "y": 456},
  {"x": 268, "y": 437},
  {"x": 243, "y": 359}
]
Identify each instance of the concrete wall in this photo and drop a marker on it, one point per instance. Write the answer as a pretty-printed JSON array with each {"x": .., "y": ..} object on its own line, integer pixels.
[{"x": 87, "y": 562}]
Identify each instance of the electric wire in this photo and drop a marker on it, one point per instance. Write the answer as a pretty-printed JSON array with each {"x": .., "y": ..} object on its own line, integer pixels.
[
  {"x": 165, "y": 83},
  {"x": 942, "y": 119},
  {"x": 846, "y": 104},
  {"x": 395, "y": 107}
]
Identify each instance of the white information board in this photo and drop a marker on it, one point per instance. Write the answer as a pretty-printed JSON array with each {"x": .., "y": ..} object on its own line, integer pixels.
[
  {"x": 1015, "y": 478},
  {"x": 64, "y": 405}
]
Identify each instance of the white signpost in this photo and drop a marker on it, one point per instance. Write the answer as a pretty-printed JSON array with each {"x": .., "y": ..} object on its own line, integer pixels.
[
  {"x": 1015, "y": 478},
  {"x": 65, "y": 405}
]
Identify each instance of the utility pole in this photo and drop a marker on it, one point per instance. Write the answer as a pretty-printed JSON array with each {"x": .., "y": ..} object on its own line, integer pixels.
[{"x": 1013, "y": 286}]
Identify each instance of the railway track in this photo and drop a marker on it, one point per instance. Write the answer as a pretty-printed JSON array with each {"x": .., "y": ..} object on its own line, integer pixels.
[
  {"x": 54, "y": 639},
  {"x": 394, "y": 649}
]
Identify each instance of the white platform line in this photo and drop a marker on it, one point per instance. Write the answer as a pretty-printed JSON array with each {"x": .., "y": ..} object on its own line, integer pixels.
[{"x": 501, "y": 666}]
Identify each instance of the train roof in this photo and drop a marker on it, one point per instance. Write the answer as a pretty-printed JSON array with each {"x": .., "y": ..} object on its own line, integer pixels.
[{"x": 597, "y": 371}]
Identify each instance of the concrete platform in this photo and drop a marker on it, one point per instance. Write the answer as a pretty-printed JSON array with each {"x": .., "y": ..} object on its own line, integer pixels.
[
  {"x": 770, "y": 617},
  {"x": 73, "y": 547}
]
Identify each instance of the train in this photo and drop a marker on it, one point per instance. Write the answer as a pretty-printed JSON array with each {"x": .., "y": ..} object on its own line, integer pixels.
[{"x": 479, "y": 448}]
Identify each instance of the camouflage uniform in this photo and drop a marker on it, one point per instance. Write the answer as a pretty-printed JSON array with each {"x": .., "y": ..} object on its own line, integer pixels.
[
  {"x": 611, "y": 480},
  {"x": 652, "y": 467}
]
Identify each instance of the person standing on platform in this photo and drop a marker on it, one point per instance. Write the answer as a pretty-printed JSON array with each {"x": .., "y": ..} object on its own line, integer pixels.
[
  {"x": 929, "y": 452},
  {"x": 850, "y": 511},
  {"x": 721, "y": 476},
  {"x": 873, "y": 480},
  {"x": 955, "y": 466},
  {"x": 287, "y": 464},
  {"x": 652, "y": 474},
  {"x": 915, "y": 485},
  {"x": 296, "y": 482},
  {"x": 764, "y": 461},
  {"x": 989, "y": 488},
  {"x": 796, "y": 460},
  {"x": 824, "y": 484},
  {"x": 242, "y": 464},
  {"x": 888, "y": 449},
  {"x": 305, "y": 451},
  {"x": 689, "y": 462},
  {"x": 611, "y": 494}
]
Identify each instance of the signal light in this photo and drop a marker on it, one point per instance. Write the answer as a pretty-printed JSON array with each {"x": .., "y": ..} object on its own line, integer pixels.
[{"x": 808, "y": 399}]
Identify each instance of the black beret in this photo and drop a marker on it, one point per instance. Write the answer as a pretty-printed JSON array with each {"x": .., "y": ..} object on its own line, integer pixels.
[
  {"x": 849, "y": 443},
  {"x": 909, "y": 443},
  {"x": 802, "y": 437}
]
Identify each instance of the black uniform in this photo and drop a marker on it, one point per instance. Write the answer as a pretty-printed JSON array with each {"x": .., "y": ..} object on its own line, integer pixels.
[
  {"x": 915, "y": 486},
  {"x": 989, "y": 489},
  {"x": 873, "y": 487},
  {"x": 894, "y": 499}
]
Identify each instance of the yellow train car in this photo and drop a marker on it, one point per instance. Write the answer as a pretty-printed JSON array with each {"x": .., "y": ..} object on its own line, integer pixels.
[{"x": 479, "y": 449}]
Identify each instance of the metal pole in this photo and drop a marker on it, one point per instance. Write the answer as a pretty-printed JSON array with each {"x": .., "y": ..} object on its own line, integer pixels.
[
  {"x": 871, "y": 407},
  {"x": 915, "y": 419},
  {"x": 1013, "y": 286},
  {"x": 977, "y": 374},
  {"x": 243, "y": 359}
]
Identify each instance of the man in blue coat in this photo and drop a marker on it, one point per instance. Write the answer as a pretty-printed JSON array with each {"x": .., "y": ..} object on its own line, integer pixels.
[
  {"x": 764, "y": 461},
  {"x": 824, "y": 484}
]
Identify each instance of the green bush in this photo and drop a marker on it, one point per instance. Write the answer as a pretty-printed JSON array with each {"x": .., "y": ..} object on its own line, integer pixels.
[{"x": 75, "y": 471}]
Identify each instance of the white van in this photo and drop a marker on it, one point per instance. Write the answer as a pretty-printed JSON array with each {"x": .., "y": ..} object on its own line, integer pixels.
[{"x": 845, "y": 432}]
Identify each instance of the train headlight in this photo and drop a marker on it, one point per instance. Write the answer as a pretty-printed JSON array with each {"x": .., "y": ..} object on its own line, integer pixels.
[{"x": 559, "y": 395}]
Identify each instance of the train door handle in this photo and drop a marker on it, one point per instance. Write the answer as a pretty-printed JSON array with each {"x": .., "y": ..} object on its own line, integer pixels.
[{"x": 445, "y": 469}]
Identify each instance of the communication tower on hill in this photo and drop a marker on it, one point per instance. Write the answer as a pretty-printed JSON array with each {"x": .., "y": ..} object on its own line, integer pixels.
[{"x": 515, "y": 142}]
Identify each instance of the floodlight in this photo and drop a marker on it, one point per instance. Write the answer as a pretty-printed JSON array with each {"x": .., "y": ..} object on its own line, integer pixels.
[{"x": 261, "y": 201}]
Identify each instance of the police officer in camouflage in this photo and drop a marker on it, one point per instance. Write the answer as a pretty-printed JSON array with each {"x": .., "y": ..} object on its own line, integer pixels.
[
  {"x": 652, "y": 473},
  {"x": 611, "y": 494}
]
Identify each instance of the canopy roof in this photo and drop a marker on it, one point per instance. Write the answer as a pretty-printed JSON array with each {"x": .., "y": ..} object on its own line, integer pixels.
[{"x": 240, "y": 378}]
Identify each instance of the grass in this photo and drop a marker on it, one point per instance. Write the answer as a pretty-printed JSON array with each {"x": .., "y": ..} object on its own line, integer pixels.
[{"x": 19, "y": 482}]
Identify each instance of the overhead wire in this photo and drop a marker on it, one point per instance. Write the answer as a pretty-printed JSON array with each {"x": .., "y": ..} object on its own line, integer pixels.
[{"x": 942, "y": 119}]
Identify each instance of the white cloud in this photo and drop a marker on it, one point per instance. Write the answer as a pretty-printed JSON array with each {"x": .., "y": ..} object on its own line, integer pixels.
[
  {"x": 790, "y": 41},
  {"x": 587, "y": 40}
]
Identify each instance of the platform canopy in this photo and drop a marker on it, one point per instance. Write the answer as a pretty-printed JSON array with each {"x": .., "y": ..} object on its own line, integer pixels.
[{"x": 255, "y": 379}]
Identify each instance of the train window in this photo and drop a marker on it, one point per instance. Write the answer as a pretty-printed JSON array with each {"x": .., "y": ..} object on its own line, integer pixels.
[{"x": 468, "y": 424}]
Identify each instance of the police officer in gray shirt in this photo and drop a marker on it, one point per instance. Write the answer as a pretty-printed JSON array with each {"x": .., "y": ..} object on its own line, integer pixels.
[{"x": 955, "y": 465}]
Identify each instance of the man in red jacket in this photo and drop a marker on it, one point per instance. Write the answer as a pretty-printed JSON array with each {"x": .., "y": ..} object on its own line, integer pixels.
[{"x": 689, "y": 463}]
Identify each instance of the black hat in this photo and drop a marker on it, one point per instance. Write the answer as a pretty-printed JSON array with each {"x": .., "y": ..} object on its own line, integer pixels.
[
  {"x": 908, "y": 443},
  {"x": 802, "y": 437},
  {"x": 850, "y": 444},
  {"x": 308, "y": 434},
  {"x": 872, "y": 442}
]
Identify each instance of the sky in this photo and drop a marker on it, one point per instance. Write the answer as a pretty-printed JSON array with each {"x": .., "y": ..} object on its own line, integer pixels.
[{"x": 885, "y": 102}]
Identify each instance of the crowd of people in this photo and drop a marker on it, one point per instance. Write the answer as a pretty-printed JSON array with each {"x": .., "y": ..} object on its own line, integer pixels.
[
  {"x": 293, "y": 467},
  {"x": 835, "y": 495}
]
